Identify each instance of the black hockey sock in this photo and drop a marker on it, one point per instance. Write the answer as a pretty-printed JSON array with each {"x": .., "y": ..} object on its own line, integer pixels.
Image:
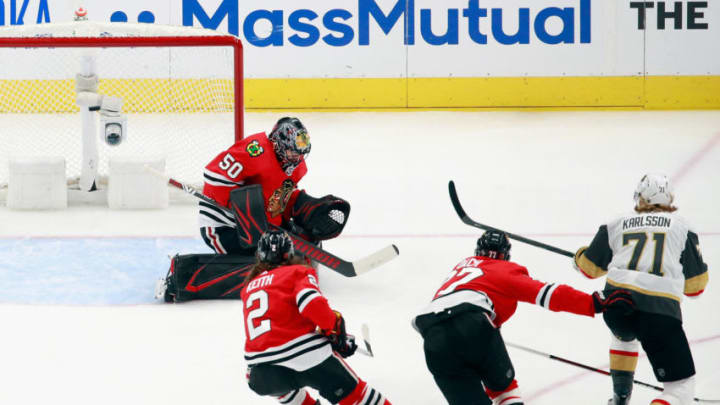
[{"x": 622, "y": 382}]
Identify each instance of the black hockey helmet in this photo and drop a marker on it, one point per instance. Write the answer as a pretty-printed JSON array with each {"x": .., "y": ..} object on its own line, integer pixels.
[
  {"x": 291, "y": 140},
  {"x": 493, "y": 244},
  {"x": 275, "y": 247}
]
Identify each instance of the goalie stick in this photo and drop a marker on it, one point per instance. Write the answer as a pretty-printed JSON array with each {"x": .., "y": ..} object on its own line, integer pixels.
[
  {"x": 466, "y": 219},
  {"x": 598, "y": 370},
  {"x": 307, "y": 249}
]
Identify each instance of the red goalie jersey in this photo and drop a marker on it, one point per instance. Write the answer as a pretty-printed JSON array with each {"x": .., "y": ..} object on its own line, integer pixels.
[
  {"x": 249, "y": 161},
  {"x": 283, "y": 309},
  {"x": 498, "y": 285}
]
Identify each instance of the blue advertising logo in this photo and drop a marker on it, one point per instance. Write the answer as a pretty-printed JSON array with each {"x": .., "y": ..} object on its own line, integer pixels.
[
  {"x": 305, "y": 32},
  {"x": 17, "y": 16},
  {"x": 302, "y": 27},
  {"x": 144, "y": 17}
]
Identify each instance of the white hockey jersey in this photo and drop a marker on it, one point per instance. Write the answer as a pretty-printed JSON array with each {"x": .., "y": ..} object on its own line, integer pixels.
[{"x": 655, "y": 255}]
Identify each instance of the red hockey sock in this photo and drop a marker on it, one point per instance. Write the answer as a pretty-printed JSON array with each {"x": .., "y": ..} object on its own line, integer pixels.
[
  {"x": 309, "y": 400},
  {"x": 364, "y": 394},
  {"x": 508, "y": 396}
]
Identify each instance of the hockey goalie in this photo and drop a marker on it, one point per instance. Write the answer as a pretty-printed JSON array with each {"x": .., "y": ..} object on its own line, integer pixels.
[{"x": 257, "y": 180}]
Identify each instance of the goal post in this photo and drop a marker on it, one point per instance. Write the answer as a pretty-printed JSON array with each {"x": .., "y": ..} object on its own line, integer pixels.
[{"x": 90, "y": 91}]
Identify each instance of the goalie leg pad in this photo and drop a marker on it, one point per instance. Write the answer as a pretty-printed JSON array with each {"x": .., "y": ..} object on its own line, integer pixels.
[
  {"x": 248, "y": 207},
  {"x": 225, "y": 240},
  {"x": 322, "y": 218},
  {"x": 206, "y": 276}
]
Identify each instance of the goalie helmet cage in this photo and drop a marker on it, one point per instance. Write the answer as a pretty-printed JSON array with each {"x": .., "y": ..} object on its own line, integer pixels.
[{"x": 181, "y": 89}]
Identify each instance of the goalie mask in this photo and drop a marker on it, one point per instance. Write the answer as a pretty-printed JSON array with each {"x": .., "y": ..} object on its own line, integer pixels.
[
  {"x": 493, "y": 244},
  {"x": 654, "y": 189},
  {"x": 275, "y": 247},
  {"x": 291, "y": 142}
]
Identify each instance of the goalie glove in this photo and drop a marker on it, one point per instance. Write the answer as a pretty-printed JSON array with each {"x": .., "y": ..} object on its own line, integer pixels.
[
  {"x": 341, "y": 342},
  {"x": 615, "y": 299},
  {"x": 321, "y": 218}
]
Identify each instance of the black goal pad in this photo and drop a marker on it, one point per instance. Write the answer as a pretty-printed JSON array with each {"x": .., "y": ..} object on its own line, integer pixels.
[{"x": 206, "y": 276}]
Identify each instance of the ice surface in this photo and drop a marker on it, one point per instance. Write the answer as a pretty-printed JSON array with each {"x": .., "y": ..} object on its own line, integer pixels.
[{"x": 79, "y": 325}]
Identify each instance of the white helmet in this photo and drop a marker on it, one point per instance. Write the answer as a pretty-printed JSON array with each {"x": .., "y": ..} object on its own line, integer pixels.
[{"x": 654, "y": 189}]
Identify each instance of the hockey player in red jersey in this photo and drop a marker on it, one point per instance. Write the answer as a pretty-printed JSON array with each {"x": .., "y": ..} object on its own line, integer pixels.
[
  {"x": 464, "y": 349},
  {"x": 277, "y": 163},
  {"x": 654, "y": 254},
  {"x": 256, "y": 179},
  {"x": 293, "y": 339}
]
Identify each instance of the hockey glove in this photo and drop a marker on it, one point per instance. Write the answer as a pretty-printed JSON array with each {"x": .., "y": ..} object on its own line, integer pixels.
[
  {"x": 341, "y": 342},
  {"x": 577, "y": 257},
  {"x": 321, "y": 218},
  {"x": 616, "y": 299}
]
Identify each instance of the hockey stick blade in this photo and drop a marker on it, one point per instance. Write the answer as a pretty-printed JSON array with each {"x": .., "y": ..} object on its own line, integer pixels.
[
  {"x": 308, "y": 249},
  {"x": 376, "y": 259},
  {"x": 466, "y": 219},
  {"x": 598, "y": 370},
  {"x": 344, "y": 267},
  {"x": 365, "y": 330},
  {"x": 364, "y": 352}
]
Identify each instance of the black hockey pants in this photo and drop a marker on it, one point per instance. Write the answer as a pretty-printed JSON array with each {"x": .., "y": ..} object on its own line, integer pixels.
[
  {"x": 332, "y": 378},
  {"x": 463, "y": 351},
  {"x": 662, "y": 338}
]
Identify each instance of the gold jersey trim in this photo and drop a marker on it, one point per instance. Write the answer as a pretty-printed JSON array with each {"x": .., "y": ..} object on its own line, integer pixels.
[
  {"x": 642, "y": 290},
  {"x": 696, "y": 284}
]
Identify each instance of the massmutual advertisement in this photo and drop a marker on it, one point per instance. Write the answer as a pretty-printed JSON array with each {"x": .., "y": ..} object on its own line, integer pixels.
[{"x": 446, "y": 54}]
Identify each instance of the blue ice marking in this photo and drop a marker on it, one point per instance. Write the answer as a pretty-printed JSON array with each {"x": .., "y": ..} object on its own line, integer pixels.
[{"x": 87, "y": 271}]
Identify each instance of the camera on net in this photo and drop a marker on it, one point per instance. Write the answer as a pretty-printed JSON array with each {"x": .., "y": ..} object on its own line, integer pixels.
[
  {"x": 114, "y": 129},
  {"x": 113, "y": 123}
]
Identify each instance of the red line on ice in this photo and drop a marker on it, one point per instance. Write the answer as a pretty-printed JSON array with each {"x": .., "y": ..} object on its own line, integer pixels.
[{"x": 696, "y": 158}]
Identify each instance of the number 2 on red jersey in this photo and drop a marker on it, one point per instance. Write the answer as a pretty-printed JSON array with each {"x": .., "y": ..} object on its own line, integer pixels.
[{"x": 263, "y": 304}]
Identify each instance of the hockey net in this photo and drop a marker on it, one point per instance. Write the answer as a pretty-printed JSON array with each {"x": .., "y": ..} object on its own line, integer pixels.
[{"x": 181, "y": 90}]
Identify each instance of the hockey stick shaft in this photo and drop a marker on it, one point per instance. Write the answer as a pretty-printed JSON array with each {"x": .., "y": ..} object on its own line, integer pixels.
[
  {"x": 596, "y": 370},
  {"x": 466, "y": 219},
  {"x": 309, "y": 250}
]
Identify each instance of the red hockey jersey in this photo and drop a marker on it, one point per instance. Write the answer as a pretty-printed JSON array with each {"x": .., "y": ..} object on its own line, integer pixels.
[
  {"x": 498, "y": 285},
  {"x": 282, "y": 309},
  {"x": 249, "y": 161}
]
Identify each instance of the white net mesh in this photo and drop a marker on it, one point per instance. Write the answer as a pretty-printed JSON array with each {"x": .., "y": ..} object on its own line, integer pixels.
[{"x": 179, "y": 100}]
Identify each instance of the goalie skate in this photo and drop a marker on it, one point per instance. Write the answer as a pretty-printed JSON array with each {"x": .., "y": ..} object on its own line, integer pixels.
[
  {"x": 163, "y": 287},
  {"x": 160, "y": 288}
]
